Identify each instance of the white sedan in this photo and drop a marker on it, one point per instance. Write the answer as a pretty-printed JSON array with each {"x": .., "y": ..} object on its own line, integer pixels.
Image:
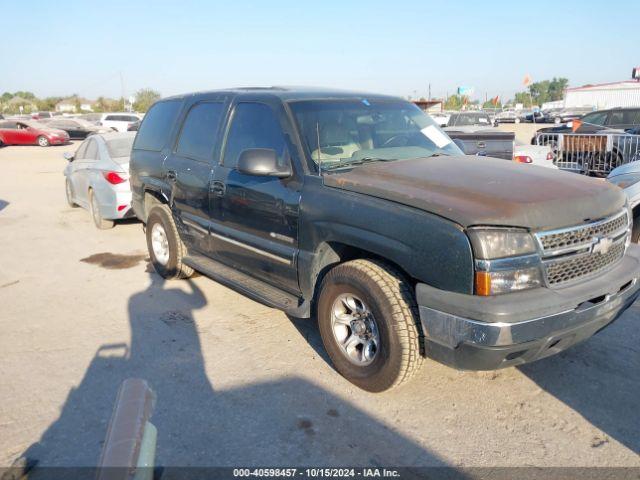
[
  {"x": 627, "y": 177},
  {"x": 540, "y": 155},
  {"x": 97, "y": 177}
]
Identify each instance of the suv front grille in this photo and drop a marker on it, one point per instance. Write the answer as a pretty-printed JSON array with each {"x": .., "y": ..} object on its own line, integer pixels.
[
  {"x": 572, "y": 254},
  {"x": 584, "y": 234}
]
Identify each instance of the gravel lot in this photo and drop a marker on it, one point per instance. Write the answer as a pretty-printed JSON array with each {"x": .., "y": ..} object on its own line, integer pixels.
[{"x": 241, "y": 384}]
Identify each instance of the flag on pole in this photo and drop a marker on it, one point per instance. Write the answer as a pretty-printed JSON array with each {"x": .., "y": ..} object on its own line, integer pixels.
[
  {"x": 527, "y": 80},
  {"x": 495, "y": 100}
]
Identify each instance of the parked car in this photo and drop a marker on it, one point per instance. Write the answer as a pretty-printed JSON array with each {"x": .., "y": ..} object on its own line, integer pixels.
[
  {"x": 97, "y": 177},
  {"x": 507, "y": 116},
  {"x": 76, "y": 128},
  {"x": 134, "y": 126},
  {"x": 568, "y": 114},
  {"x": 41, "y": 115},
  {"x": 92, "y": 118},
  {"x": 30, "y": 132},
  {"x": 118, "y": 121},
  {"x": 1, "y": 117},
  {"x": 359, "y": 209},
  {"x": 483, "y": 141},
  {"x": 627, "y": 177},
  {"x": 540, "y": 155}
]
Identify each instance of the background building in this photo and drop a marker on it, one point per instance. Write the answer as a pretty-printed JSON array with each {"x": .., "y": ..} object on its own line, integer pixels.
[{"x": 604, "y": 95}]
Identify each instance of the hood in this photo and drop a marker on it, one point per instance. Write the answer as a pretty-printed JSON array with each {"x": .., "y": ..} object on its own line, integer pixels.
[
  {"x": 485, "y": 191},
  {"x": 631, "y": 167}
]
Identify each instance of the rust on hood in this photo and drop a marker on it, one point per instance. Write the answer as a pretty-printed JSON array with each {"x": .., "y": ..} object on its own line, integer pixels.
[{"x": 485, "y": 191}]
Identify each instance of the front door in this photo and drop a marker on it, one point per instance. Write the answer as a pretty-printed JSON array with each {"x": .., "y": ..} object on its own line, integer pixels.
[
  {"x": 188, "y": 169},
  {"x": 254, "y": 224}
]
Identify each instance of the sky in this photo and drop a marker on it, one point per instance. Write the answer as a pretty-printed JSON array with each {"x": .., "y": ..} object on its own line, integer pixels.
[{"x": 396, "y": 47}]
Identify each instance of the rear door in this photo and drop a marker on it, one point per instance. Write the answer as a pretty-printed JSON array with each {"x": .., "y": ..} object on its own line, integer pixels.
[
  {"x": 188, "y": 169},
  {"x": 76, "y": 174},
  {"x": 254, "y": 219}
]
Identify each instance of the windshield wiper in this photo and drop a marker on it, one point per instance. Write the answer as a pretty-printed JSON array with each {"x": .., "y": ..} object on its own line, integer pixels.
[{"x": 356, "y": 161}]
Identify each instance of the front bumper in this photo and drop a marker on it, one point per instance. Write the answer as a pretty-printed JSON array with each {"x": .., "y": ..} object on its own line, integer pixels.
[{"x": 486, "y": 333}]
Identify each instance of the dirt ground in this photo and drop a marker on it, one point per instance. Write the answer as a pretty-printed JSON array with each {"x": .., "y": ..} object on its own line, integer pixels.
[{"x": 238, "y": 383}]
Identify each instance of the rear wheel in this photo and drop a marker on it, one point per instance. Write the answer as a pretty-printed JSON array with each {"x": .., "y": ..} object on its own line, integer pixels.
[
  {"x": 68, "y": 188},
  {"x": 368, "y": 320},
  {"x": 43, "y": 141},
  {"x": 94, "y": 208},
  {"x": 165, "y": 246}
]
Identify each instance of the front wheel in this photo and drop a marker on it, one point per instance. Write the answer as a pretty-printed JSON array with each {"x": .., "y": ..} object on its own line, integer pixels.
[
  {"x": 166, "y": 249},
  {"x": 43, "y": 141},
  {"x": 68, "y": 189},
  {"x": 368, "y": 320}
]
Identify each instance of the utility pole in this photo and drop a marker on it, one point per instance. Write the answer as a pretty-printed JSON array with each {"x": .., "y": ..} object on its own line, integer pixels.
[
  {"x": 122, "y": 92},
  {"x": 429, "y": 91}
]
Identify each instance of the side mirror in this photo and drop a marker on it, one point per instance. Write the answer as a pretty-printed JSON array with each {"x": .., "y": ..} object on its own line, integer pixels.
[
  {"x": 262, "y": 162},
  {"x": 68, "y": 156}
]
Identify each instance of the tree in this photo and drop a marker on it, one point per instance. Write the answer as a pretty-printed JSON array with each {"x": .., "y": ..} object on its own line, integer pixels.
[
  {"x": 524, "y": 98},
  {"x": 47, "y": 104},
  {"x": 145, "y": 97},
  {"x": 548, "y": 90},
  {"x": 489, "y": 104},
  {"x": 455, "y": 102}
]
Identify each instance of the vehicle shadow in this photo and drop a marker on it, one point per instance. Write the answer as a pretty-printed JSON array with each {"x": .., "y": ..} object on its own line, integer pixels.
[
  {"x": 599, "y": 379},
  {"x": 285, "y": 422}
]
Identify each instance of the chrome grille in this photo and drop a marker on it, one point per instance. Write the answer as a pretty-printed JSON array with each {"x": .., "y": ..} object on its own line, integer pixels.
[
  {"x": 575, "y": 267},
  {"x": 571, "y": 254},
  {"x": 571, "y": 237}
]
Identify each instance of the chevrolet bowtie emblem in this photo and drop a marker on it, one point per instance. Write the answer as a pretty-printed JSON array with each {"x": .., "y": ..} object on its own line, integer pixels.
[{"x": 601, "y": 245}]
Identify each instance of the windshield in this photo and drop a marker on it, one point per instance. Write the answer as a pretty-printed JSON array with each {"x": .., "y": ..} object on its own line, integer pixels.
[
  {"x": 468, "y": 119},
  {"x": 347, "y": 132},
  {"x": 120, "y": 147}
]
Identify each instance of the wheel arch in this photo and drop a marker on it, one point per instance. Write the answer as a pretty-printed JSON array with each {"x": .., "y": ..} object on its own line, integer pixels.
[{"x": 332, "y": 253}]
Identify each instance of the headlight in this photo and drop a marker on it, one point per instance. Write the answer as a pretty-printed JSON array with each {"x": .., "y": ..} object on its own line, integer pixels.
[
  {"x": 492, "y": 243},
  {"x": 625, "y": 180},
  {"x": 506, "y": 260}
]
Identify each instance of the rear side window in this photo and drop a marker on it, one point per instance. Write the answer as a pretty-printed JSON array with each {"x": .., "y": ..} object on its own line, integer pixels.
[
  {"x": 112, "y": 118},
  {"x": 156, "y": 127},
  {"x": 92, "y": 151},
  {"x": 254, "y": 125},
  {"x": 199, "y": 132}
]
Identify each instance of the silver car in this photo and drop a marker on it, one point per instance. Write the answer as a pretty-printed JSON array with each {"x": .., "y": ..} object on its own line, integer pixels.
[
  {"x": 97, "y": 177},
  {"x": 627, "y": 177}
]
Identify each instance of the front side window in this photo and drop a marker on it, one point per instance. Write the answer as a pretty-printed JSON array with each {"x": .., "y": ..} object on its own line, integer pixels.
[
  {"x": 597, "y": 118},
  {"x": 254, "y": 125},
  {"x": 343, "y": 132},
  {"x": 155, "y": 128},
  {"x": 199, "y": 131}
]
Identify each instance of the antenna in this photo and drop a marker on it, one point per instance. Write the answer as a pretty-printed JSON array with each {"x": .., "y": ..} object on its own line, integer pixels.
[{"x": 318, "y": 150}]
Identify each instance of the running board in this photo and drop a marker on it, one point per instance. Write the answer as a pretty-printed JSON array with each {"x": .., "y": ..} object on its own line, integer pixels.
[{"x": 249, "y": 286}]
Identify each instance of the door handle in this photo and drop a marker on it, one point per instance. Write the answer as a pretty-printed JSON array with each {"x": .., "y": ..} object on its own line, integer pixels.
[
  {"x": 172, "y": 175},
  {"x": 218, "y": 188}
]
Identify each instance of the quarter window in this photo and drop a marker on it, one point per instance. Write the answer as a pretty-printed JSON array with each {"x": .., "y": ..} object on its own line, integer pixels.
[
  {"x": 254, "y": 125},
  {"x": 156, "y": 126},
  {"x": 92, "y": 151},
  {"x": 199, "y": 131}
]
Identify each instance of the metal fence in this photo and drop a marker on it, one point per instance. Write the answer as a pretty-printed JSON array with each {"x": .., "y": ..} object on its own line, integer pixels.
[{"x": 591, "y": 154}]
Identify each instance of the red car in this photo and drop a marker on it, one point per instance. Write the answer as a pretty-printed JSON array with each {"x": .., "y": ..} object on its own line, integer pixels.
[{"x": 25, "y": 132}]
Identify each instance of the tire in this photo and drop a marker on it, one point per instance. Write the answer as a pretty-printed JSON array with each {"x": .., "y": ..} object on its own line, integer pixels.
[
  {"x": 43, "y": 141},
  {"x": 635, "y": 233},
  {"x": 98, "y": 221},
  {"x": 160, "y": 219},
  {"x": 390, "y": 301},
  {"x": 68, "y": 190}
]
